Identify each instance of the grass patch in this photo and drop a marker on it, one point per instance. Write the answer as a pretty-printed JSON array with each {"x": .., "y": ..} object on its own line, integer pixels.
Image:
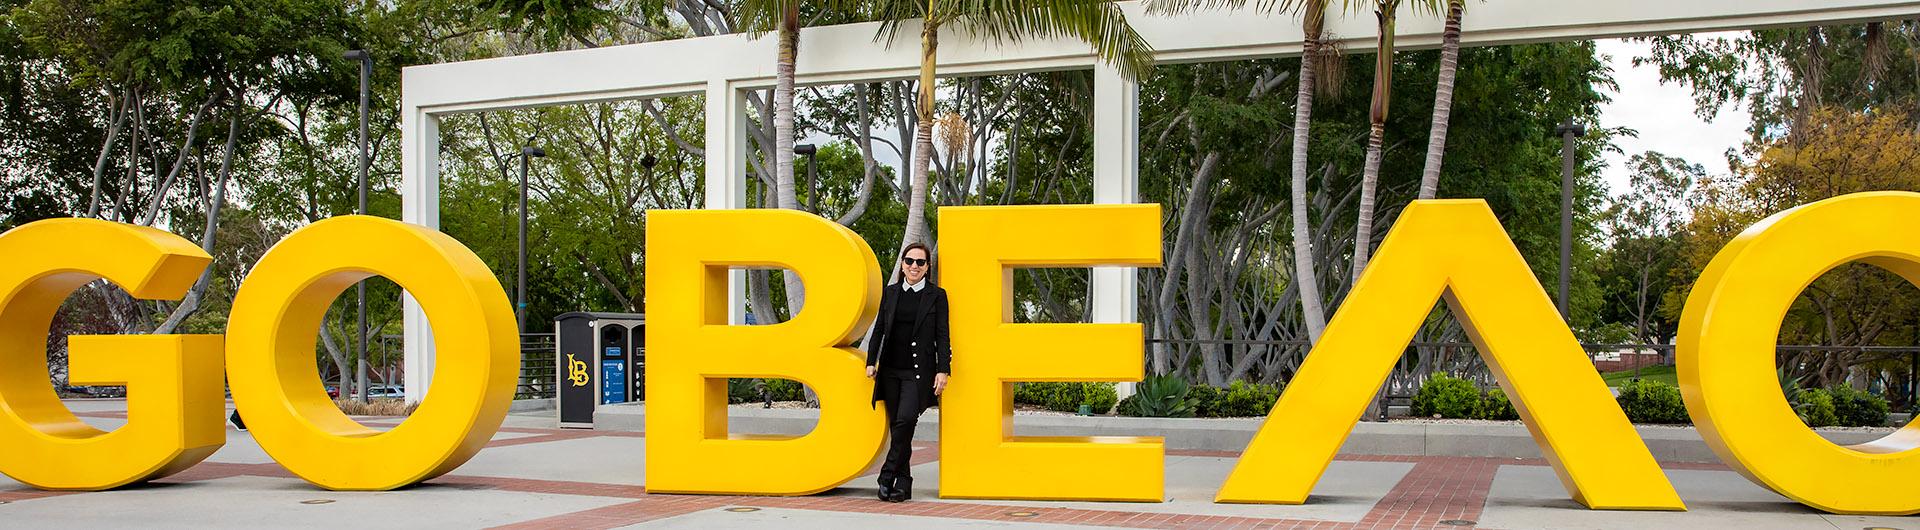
[
  {"x": 1664, "y": 374},
  {"x": 375, "y": 407}
]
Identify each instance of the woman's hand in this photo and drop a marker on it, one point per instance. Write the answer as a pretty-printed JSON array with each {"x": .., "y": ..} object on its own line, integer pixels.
[
  {"x": 939, "y": 383},
  {"x": 870, "y": 371}
]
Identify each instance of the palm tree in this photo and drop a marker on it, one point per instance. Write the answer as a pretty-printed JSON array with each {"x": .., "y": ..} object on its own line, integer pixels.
[
  {"x": 1386, "y": 11},
  {"x": 1314, "y": 50},
  {"x": 783, "y": 15},
  {"x": 1442, "y": 100},
  {"x": 1097, "y": 22}
]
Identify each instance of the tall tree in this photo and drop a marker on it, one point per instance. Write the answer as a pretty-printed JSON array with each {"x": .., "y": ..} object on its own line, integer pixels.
[
  {"x": 1443, "y": 99},
  {"x": 1387, "y": 13},
  {"x": 1316, "y": 54},
  {"x": 1097, "y": 22},
  {"x": 784, "y": 16}
]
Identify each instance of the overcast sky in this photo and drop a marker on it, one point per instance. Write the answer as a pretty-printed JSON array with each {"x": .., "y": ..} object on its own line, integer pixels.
[{"x": 1664, "y": 116}]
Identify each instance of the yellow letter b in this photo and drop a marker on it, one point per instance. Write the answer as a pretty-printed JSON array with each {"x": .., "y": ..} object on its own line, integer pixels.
[{"x": 692, "y": 352}]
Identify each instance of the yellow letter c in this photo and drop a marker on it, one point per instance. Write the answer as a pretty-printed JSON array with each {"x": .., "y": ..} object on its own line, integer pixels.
[{"x": 1726, "y": 353}]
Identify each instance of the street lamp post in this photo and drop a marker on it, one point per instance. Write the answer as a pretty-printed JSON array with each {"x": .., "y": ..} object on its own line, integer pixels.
[
  {"x": 1568, "y": 132},
  {"x": 813, "y": 180},
  {"x": 360, "y": 346},
  {"x": 527, "y": 154}
]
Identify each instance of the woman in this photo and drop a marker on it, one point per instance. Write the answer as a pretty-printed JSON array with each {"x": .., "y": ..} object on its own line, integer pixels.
[{"x": 908, "y": 358}]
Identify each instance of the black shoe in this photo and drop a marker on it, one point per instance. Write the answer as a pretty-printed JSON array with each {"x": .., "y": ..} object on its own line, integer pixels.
[
  {"x": 903, "y": 489},
  {"x": 887, "y": 491}
]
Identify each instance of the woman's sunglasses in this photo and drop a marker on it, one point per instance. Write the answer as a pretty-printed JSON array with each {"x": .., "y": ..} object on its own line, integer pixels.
[{"x": 914, "y": 261}]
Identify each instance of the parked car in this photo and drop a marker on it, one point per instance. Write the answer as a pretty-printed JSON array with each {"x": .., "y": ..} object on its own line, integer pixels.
[
  {"x": 384, "y": 391},
  {"x": 333, "y": 391}
]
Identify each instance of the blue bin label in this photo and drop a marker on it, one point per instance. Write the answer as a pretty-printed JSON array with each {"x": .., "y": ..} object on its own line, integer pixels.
[{"x": 613, "y": 382}]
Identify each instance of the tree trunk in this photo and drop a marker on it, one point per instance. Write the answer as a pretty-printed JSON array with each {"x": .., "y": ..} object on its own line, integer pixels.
[
  {"x": 179, "y": 161},
  {"x": 868, "y": 167},
  {"x": 106, "y": 151},
  {"x": 783, "y": 138},
  {"x": 916, "y": 231},
  {"x": 1376, "y": 138},
  {"x": 1443, "y": 100},
  {"x": 191, "y": 304},
  {"x": 1310, "y": 303}
]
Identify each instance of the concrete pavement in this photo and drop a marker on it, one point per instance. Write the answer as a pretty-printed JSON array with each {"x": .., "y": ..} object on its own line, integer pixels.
[{"x": 535, "y": 476}]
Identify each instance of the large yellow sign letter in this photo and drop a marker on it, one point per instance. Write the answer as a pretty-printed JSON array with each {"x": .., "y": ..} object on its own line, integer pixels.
[
  {"x": 1726, "y": 345},
  {"x": 692, "y": 352},
  {"x": 1454, "y": 248},
  {"x": 277, "y": 313},
  {"x": 173, "y": 381},
  {"x": 979, "y": 455}
]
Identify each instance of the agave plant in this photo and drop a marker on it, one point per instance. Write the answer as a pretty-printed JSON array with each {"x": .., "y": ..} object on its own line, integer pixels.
[{"x": 1159, "y": 396}]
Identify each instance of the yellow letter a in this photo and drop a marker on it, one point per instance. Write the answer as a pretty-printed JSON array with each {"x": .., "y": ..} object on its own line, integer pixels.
[
  {"x": 693, "y": 352},
  {"x": 1456, "y": 249}
]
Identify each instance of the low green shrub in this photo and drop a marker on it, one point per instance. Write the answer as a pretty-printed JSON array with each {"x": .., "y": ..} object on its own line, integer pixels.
[
  {"x": 1158, "y": 397},
  {"x": 1244, "y": 400},
  {"x": 1206, "y": 401},
  {"x": 1101, "y": 396},
  {"x": 1815, "y": 407},
  {"x": 748, "y": 390},
  {"x": 1067, "y": 397},
  {"x": 1854, "y": 408},
  {"x": 1496, "y": 406},
  {"x": 1648, "y": 401},
  {"x": 1446, "y": 396},
  {"x": 1033, "y": 393}
]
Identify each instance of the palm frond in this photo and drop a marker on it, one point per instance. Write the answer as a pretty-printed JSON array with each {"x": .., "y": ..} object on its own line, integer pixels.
[
  {"x": 1165, "y": 7},
  {"x": 759, "y": 17},
  {"x": 892, "y": 13},
  {"x": 1099, "y": 23},
  {"x": 1420, "y": 7}
]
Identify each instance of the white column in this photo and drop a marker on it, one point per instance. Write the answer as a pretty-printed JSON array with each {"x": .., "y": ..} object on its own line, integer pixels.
[
  {"x": 420, "y": 205},
  {"x": 1116, "y": 180},
  {"x": 726, "y": 183}
]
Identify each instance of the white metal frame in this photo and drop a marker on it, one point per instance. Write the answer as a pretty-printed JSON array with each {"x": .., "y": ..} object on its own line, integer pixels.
[{"x": 721, "y": 67}]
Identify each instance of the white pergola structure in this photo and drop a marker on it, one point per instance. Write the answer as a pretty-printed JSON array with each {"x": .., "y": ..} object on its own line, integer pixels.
[{"x": 723, "y": 67}]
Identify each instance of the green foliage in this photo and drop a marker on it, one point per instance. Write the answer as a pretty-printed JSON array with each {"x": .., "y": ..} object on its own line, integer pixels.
[
  {"x": 1815, "y": 407},
  {"x": 749, "y": 390},
  {"x": 1158, "y": 396},
  {"x": 1245, "y": 400},
  {"x": 1446, "y": 396},
  {"x": 1239, "y": 400},
  {"x": 1497, "y": 407},
  {"x": 1854, "y": 408},
  {"x": 1647, "y": 401},
  {"x": 1207, "y": 401},
  {"x": 1067, "y": 397}
]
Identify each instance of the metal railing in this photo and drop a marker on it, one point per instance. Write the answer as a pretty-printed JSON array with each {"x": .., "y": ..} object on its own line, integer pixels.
[
  {"x": 1404, "y": 381},
  {"x": 537, "y": 375}
]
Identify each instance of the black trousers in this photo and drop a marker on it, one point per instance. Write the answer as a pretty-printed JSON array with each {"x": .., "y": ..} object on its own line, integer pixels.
[{"x": 900, "y": 391}]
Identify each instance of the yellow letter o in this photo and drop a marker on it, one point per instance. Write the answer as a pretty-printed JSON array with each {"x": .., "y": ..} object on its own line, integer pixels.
[
  {"x": 277, "y": 313},
  {"x": 1727, "y": 338}
]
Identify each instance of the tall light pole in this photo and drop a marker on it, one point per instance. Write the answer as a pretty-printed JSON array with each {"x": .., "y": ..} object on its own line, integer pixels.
[
  {"x": 813, "y": 179},
  {"x": 360, "y": 346},
  {"x": 527, "y": 154},
  {"x": 1568, "y": 132}
]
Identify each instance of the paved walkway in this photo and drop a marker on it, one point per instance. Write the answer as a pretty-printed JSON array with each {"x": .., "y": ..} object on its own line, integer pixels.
[{"x": 535, "y": 476}]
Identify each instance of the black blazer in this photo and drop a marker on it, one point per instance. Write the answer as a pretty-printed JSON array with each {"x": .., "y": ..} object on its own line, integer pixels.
[{"x": 929, "y": 334}]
